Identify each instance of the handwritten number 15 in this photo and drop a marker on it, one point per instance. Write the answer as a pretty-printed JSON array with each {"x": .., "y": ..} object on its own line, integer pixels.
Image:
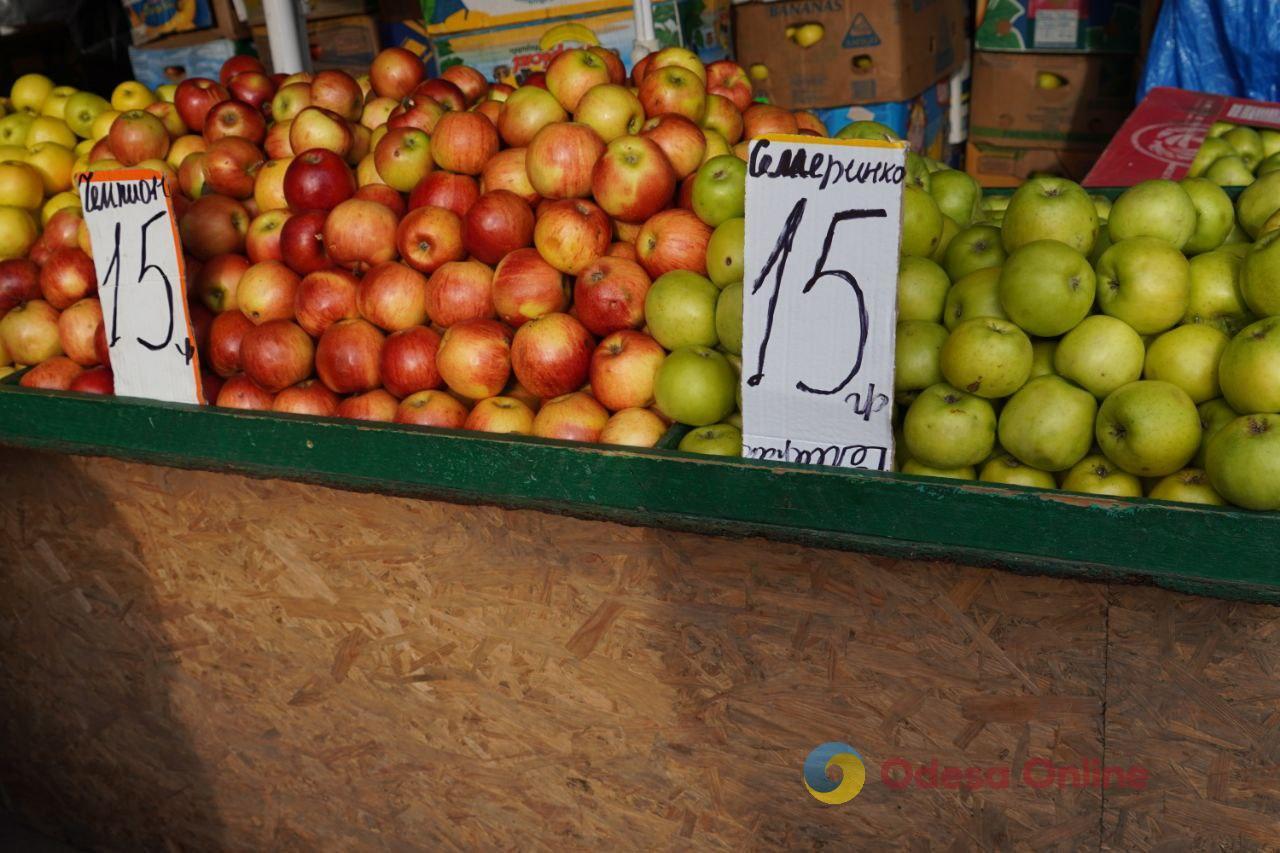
[
  {"x": 113, "y": 269},
  {"x": 777, "y": 264}
]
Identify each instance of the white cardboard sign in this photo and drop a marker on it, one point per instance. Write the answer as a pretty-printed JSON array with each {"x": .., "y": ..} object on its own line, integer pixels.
[
  {"x": 820, "y": 278},
  {"x": 142, "y": 285}
]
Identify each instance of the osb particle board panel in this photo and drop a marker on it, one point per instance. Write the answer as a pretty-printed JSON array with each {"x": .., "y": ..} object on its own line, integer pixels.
[{"x": 212, "y": 662}]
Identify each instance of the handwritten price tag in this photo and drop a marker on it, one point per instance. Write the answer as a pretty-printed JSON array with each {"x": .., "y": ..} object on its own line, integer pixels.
[
  {"x": 143, "y": 285},
  {"x": 820, "y": 300}
]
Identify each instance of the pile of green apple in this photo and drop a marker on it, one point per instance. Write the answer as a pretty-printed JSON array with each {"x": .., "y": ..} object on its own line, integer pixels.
[
  {"x": 1059, "y": 340},
  {"x": 1235, "y": 155}
]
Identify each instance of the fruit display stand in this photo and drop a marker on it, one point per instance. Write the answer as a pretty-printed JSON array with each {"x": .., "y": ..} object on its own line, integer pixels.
[{"x": 232, "y": 630}]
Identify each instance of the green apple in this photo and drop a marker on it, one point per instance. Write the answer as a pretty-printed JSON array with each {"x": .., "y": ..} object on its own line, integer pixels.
[
  {"x": 1188, "y": 357},
  {"x": 1257, "y": 202},
  {"x": 1154, "y": 208},
  {"x": 1046, "y": 287},
  {"x": 14, "y": 128},
  {"x": 987, "y": 356},
  {"x": 1215, "y": 298},
  {"x": 1220, "y": 128},
  {"x": 977, "y": 247},
  {"x": 1211, "y": 150},
  {"x": 917, "y": 172},
  {"x": 1243, "y": 462},
  {"x": 735, "y": 420},
  {"x": 720, "y": 189},
  {"x": 82, "y": 109},
  {"x": 729, "y": 318},
  {"x": 695, "y": 385},
  {"x": 975, "y": 295},
  {"x": 1003, "y": 468},
  {"x": 947, "y": 428},
  {"x": 957, "y": 194},
  {"x": 1247, "y": 143},
  {"x": 714, "y": 440},
  {"x": 680, "y": 309},
  {"x": 996, "y": 203},
  {"x": 1144, "y": 281},
  {"x": 868, "y": 130},
  {"x": 1149, "y": 428},
  {"x": 917, "y": 357},
  {"x": 1229, "y": 171},
  {"x": 922, "y": 289},
  {"x": 1096, "y": 475},
  {"x": 1048, "y": 424},
  {"x": 1214, "y": 415},
  {"x": 1269, "y": 165},
  {"x": 1214, "y": 215},
  {"x": 1050, "y": 209},
  {"x": 1270, "y": 141},
  {"x": 1188, "y": 486},
  {"x": 1102, "y": 205},
  {"x": 724, "y": 252},
  {"x": 1249, "y": 371},
  {"x": 1042, "y": 352},
  {"x": 921, "y": 222},
  {"x": 919, "y": 469},
  {"x": 949, "y": 231},
  {"x": 1100, "y": 245},
  {"x": 1100, "y": 355}
]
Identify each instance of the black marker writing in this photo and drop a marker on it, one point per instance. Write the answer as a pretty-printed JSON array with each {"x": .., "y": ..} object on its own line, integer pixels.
[{"x": 799, "y": 163}]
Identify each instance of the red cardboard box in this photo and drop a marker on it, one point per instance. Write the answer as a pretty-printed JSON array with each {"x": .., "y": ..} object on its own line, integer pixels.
[{"x": 1161, "y": 137}]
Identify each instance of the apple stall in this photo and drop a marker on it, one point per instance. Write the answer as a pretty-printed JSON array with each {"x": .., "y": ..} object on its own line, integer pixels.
[{"x": 408, "y": 462}]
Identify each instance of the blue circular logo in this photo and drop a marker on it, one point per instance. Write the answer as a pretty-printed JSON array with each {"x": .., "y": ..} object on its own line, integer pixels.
[{"x": 834, "y": 754}]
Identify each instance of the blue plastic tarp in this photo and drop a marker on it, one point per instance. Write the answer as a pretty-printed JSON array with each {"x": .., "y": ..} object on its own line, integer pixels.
[{"x": 1226, "y": 47}]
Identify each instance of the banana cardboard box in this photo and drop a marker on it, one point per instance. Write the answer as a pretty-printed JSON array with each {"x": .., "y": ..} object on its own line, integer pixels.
[
  {"x": 1093, "y": 26},
  {"x": 153, "y": 19}
]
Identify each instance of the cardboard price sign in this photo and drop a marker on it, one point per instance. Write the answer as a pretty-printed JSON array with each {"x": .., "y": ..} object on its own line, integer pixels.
[
  {"x": 142, "y": 285},
  {"x": 820, "y": 276}
]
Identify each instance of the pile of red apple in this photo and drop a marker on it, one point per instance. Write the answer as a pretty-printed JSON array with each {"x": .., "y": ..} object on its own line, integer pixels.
[{"x": 446, "y": 252}]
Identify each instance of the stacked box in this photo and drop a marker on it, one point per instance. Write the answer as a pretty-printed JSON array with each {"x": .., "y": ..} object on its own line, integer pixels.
[
  {"x": 347, "y": 44},
  {"x": 1089, "y": 26},
  {"x": 177, "y": 39}
]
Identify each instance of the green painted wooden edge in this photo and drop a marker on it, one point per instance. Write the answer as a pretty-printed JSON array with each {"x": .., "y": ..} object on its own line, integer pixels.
[{"x": 1211, "y": 551}]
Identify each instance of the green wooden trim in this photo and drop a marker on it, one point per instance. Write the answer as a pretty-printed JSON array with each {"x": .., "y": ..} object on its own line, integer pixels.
[{"x": 1213, "y": 551}]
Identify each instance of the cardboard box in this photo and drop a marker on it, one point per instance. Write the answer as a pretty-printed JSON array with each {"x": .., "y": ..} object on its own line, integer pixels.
[
  {"x": 1162, "y": 136},
  {"x": 348, "y": 44},
  {"x": 455, "y": 16},
  {"x": 922, "y": 120},
  {"x": 1049, "y": 100},
  {"x": 412, "y": 36},
  {"x": 1093, "y": 26},
  {"x": 867, "y": 52},
  {"x": 315, "y": 9},
  {"x": 1001, "y": 166},
  {"x": 177, "y": 23},
  {"x": 157, "y": 65}
]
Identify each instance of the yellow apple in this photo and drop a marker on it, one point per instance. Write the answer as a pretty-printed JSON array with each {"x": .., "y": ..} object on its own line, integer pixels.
[
  {"x": 17, "y": 232},
  {"x": 102, "y": 124},
  {"x": 82, "y": 109},
  {"x": 50, "y": 129},
  {"x": 21, "y": 186},
  {"x": 58, "y": 202},
  {"x": 84, "y": 146},
  {"x": 165, "y": 92},
  {"x": 30, "y": 91},
  {"x": 53, "y": 162},
  {"x": 55, "y": 106},
  {"x": 13, "y": 152},
  {"x": 14, "y": 128},
  {"x": 131, "y": 95}
]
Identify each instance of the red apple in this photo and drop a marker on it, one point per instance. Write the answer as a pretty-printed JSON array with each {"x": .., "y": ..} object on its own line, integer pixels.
[
  {"x": 409, "y": 361},
  {"x": 262, "y": 242},
  {"x": 289, "y": 100},
  {"x": 383, "y": 195},
  {"x": 640, "y": 69},
  {"x": 496, "y": 225},
  {"x": 316, "y": 127},
  {"x": 191, "y": 176},
  {"x": 62, "y": 230},
  {"x": 277, "y": 354},
  {"x": 537, "y": 79},
  {"x": 623, "y": 369},
  {"x": 237, "y": 65},
  {"x": 348, "y": 357},
  {"x": 318, "y": 179},
  {"x": 78, "y": 328},
  {"x": 67, "y": 277},
  {"x": 377, "y": 110},
  {"x": 463, "y": 142},
  {"x": 253, "y": 88},
  {"x": 609, "y": 295},
  {"x": 395, "y": 72},
  {"x": 392, "y": 296},
  {"x": 458, "y": 291},
  {"x": 571, "y": 233},
  {"x": 525, "y": 286},
  {"x": 474, "y": 358},
  {"x": 506, "y": 170},
  {"x": 444, "y": 189},
  {"x": 19, "y": 282},
  {"x": 431, "y": 409},
  {"x": 809, "y": 123},
  {"x": 338, "y": 92},
  {"x": 572, "y": 73},
  {"x": 231, "y": 166},
  {"x": 673, "y": 89},
  {"x": 613, "y": 62},
  {"x": 194, "y": 97},
  {"x": 759, "y": 119},
  {"x": 29, "y": 332},
  {"x": 307, "y": 398},
  {"x": 611, "y": 111},
  {"x": 266, "y": 292},
  {"x": 673, "y": 240},
  {"x": 428, "y": 237},
  {"x": 551, "y": 355},
  {"x": 169, "y": 118},
  {"x": 375, "y": 405},
  {"x": 302, "y": 242},
  {"x": 235, "y": 118},
  {"x": 505, "y": 415},
  {"x": 277, "y": 144},
  {"x": 684, "y": 195},
  {"x": 403, "y": 158},
  {"x": 101, "y": 151},
  {"x": 525, "y": 112},
  {"x": 723, "y": 117},
  {"x": 359, "y": 234},
  {"x": 137, "y": 135},
  {"x": 729, "y": 80},
  {"x": 633, "y": 180},
  {"x": 225, "y": 338},
  {"x": 623, "y": 250},
  {"x": 560, "y": 160},
  {"x": 218, "y": 282},
  {"x": 572, "y": 417},
  {"x": 468, "y": 80},
  {"x": 241, "y": 392},
  {"x": 95, "y": 380},
  {"x": 442, "y": 92},
  {"x": 56, "y": 374},
  {"x": 268, "y": 186},
  {"x": 323, "y": 298},
  {"x": 423, "y": 114}
]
